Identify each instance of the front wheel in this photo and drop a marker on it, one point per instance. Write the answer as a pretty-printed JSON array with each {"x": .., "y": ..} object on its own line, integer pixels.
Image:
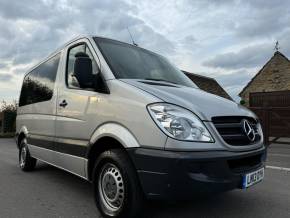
[
  {"x": 26, "y": 162},
  {"x": 116, "y": 185}
]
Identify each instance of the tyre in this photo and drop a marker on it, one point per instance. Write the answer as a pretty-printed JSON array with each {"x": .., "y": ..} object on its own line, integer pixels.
[
  {"x": 116, "y": 185},
  {"x": 26, "y": 162}
]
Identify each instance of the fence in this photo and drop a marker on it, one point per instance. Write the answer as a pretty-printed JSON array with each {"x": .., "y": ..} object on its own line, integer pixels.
[{"x": 275, "y": 122}]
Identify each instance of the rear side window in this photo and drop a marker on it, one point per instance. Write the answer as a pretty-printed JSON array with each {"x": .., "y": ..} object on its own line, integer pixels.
[{"x": 38, "y": 85}]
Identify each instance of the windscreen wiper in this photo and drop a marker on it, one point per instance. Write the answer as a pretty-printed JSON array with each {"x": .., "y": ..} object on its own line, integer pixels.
[{"x": 162, "y": 80}]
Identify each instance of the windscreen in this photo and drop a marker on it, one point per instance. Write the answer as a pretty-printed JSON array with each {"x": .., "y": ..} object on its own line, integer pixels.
[{"x": 131, "y": 62}]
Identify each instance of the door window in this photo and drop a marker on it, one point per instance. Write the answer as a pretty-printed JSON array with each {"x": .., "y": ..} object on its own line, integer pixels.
[{"x": 71, "y": 80}]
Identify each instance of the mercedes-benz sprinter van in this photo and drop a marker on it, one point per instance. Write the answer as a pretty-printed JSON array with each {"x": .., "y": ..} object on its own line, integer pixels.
[{"x": 127, "y": 120}]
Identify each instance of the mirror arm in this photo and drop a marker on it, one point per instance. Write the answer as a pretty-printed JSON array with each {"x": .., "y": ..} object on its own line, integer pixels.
[{"x": 100, "y": 84}]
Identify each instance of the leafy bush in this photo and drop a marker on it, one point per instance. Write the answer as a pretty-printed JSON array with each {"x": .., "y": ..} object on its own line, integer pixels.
[
  {"x": 8, "y": 121},
  {"x": 6, "y": 107}
]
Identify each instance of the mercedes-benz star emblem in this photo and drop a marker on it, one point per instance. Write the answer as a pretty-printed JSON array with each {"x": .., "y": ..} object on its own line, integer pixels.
[{"x": 249, "y": 131}]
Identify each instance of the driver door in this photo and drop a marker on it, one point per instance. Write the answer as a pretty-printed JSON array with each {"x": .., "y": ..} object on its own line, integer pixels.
[{"x": 75, "y": 121}]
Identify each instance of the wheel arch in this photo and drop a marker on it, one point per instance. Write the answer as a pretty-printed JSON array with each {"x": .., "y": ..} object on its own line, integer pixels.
[
  {"x": 108, "y": 136},
  {"x": 23, "y": 132}
]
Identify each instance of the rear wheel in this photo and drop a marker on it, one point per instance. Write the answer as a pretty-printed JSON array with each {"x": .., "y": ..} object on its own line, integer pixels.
[
  {"x": 26, "y": 162},
  {"x": 116, "y": 185}
]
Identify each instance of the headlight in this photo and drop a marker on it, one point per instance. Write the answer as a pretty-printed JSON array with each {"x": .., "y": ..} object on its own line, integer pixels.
[{"x": 179, "y": 123}]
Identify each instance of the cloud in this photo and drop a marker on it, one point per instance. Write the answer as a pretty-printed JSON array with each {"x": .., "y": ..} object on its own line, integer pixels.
[
  {"x": 21, "y": 69},
  {"x": 2, "y": 65},
  {"x": 36, "y": 29},
  {"x": 5, "y": 77},
  {"x": 222, "y": 36},
  {"x": 23, "y": 9},
  {"x": 248, "y": 57},
  {"x": 265, "y": 19},
  {"x": 189, "y": 39},
  {"x": 235, "y": 78}
]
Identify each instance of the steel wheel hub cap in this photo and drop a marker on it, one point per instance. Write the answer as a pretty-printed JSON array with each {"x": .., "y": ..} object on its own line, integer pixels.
[{"x": 111, "y": 187}]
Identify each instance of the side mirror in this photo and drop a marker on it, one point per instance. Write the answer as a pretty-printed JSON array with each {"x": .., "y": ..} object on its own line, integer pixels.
[{"x": 83, "y": 70}]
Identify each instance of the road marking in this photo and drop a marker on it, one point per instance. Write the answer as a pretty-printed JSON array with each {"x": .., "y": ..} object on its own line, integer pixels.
[{"x": 278, "y": 168}]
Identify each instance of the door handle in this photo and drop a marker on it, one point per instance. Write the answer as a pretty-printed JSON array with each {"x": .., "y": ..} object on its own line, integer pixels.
[{"x": 63, "y": 104}]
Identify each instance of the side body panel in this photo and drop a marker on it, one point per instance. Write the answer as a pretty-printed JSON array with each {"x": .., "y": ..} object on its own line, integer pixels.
[
  {"x": 70, "y": 163},
  {"x": 37, "y": 120}
]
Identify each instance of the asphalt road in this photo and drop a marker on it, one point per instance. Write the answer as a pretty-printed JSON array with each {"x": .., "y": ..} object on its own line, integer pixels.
[{"x": 50, "y": 192}]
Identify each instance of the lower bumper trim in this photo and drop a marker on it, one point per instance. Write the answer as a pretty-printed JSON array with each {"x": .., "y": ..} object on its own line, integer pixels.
[{"x": 181, "y": 175}]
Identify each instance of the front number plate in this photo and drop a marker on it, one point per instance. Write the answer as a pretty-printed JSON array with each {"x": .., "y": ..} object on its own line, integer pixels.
[{"x": 253, "y": 178}]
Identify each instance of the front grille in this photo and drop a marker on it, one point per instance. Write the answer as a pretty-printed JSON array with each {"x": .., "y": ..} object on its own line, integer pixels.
[{"x": 232, "y": 130}]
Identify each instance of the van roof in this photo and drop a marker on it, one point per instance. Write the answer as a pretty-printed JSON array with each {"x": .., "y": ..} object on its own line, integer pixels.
[
  {"x": 89, "y": 37},
  {"x": 65, "y": 45}
]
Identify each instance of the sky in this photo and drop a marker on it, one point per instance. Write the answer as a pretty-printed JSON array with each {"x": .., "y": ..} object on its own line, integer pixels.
[{"x": 229, "y": 40}]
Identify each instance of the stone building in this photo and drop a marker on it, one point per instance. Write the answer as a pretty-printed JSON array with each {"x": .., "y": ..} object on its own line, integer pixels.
[
  {"x": 208, "y": 84},
  {"x": 274, "y": 76}
]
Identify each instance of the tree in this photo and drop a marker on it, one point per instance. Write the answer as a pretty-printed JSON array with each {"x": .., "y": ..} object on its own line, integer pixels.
[
  {"x": 8, "y": 107},
  {"x": 8, "y": 111}
]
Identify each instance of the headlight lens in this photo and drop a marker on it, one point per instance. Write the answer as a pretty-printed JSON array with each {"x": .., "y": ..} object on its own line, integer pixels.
[{"x": 179, "y": 123}]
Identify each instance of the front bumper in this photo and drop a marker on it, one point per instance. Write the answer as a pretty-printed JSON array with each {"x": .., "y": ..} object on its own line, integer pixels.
[{"x": 181, "y": 175}]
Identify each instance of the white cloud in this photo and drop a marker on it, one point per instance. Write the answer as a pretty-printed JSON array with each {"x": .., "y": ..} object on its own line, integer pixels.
[
  {"x": 5, "y": 77},
  {"x": 216, "y": 37},
  {"x": 247, "y": 57}
]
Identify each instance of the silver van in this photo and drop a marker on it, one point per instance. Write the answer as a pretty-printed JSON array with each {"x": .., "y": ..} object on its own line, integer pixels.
[{"x": 127, "y": 120}]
